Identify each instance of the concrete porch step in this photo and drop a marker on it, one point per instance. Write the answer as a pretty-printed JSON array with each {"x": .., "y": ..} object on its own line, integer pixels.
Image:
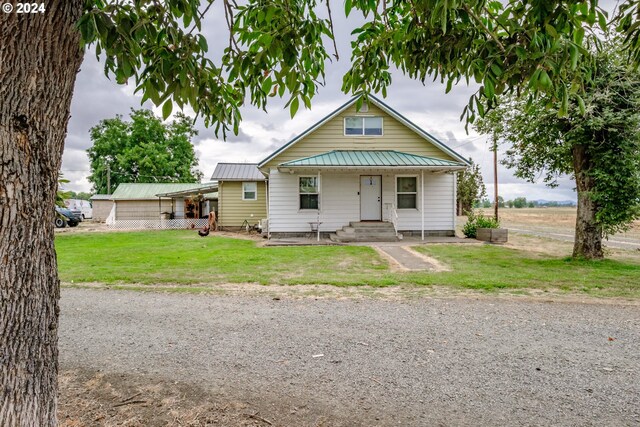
[
  {"x": 335, "y": 238},
  {"x": 358, "y": 231},
  {"x": 370, "y": 224}
]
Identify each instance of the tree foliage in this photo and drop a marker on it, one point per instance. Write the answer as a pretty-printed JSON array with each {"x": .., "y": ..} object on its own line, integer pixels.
[
  {"x": 142, "y": 150},
  {"x": 275, "y": 47},
  {"x": 600, "y": 147},
  {"x": 506, "y": 47},
  {"x": 470, "y": 188}
]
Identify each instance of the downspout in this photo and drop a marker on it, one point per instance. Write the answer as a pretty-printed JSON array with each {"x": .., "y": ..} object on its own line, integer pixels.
[
  {"x": 220, "y": 226},
  {"x": 422, "y": 200}
]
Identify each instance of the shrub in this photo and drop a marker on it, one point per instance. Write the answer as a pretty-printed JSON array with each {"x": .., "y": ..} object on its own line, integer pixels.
[{"x": 478, "y": 221}]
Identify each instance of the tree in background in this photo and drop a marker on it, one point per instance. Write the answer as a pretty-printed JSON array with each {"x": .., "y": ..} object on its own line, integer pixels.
[
  {"x": 79, "y": 195},
  {"x": 470, "y": 189},
  {"x": 600, "y": 148},
  {"x": 520, "y": 202},
  {"x": 142, "y": 150}
]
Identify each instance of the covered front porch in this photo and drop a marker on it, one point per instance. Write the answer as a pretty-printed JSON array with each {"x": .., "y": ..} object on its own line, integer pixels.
[{"x": 363, "y": 193}]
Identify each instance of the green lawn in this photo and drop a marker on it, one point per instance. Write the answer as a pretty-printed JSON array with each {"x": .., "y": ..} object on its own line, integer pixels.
[{"x": 184, "y": 258}]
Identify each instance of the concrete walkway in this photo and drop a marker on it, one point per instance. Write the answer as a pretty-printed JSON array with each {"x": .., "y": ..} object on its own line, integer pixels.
[
  {"x": 407, "y": 259},
  {"x": 398, "y": 253}
]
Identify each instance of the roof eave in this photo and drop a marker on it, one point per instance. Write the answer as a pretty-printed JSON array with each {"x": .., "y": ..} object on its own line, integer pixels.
[{"x": 284, "y": 168}]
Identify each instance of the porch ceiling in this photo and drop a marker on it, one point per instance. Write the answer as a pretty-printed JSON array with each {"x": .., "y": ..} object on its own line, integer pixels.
[{"x": 367, "y": 159}]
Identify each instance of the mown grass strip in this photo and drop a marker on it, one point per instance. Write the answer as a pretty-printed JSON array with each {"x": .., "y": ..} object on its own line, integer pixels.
[{"x": 182, "y": 258}]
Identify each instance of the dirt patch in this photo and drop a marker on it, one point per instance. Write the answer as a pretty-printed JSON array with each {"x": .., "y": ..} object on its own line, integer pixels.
[
  {"x": 89, "y": 226},
  {"x": 90, "y": 398},
  {"x": 437, "y": 265},
  {"x": 391, "y": 293}
]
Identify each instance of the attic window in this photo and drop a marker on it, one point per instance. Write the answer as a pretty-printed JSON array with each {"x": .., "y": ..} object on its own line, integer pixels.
[{"x": 363, "y": 126}]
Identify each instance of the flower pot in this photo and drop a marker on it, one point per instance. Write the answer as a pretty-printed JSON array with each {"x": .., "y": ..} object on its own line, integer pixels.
[{"x": 493, "y": 235}]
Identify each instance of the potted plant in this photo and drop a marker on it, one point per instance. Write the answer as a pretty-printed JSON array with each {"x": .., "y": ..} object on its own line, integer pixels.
[{"x": 484, "y": 228}]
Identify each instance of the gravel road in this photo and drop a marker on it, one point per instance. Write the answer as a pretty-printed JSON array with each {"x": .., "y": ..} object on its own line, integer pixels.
[{"x": 448, "y": 361}]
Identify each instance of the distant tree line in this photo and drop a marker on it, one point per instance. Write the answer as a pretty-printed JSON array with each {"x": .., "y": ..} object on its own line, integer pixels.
[{"x": 521, "y": 202}]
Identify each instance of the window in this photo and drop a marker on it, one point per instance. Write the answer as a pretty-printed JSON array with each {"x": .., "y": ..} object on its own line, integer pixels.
[
  {"x": 407, "y": 192},
  {"x": 363, "y": 126},
  {"x": 308, "y": 192},
  {"x": 249, "y": 191}
]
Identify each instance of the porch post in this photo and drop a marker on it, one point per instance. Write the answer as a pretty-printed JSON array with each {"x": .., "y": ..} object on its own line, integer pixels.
[
  {"x": 422, "y": 200},
  {"x": 319, "y": 205},
  {"x": 266, "y": 195}
]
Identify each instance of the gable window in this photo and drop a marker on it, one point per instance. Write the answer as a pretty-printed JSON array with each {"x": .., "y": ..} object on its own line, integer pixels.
[
  {"x": 363, "y": 126},
  {"x": 308, "y": 186},
  {"x": 407, "y": 192},
  {"x": 249, "y": 191}
]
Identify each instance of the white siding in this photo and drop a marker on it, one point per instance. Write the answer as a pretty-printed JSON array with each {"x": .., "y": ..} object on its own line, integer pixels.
[
  {"x": 340, "y": 202},
  {"x": 439, "y": 201}
]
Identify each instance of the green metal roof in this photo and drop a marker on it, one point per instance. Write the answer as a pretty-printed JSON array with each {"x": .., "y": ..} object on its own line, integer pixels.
[
  {"x": 100, "y": 197},
  {"x": 135, "y": 191},
  {"x": 371, "y": 158}
]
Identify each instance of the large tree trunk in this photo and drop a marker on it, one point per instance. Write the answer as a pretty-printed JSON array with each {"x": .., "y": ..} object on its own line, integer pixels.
[
  {"x": 588, "y": 238},
  {"x": 39, "y": 58}
]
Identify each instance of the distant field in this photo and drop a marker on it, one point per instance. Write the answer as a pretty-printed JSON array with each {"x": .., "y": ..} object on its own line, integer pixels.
[{"x": 558, "y": 219}]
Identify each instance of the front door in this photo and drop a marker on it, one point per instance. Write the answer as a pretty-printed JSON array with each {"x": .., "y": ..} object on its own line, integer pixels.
[{"x": 371, "y": 198}]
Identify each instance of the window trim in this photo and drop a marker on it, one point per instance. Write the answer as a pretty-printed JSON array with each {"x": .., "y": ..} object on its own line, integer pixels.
[
  {"x": 417, "y": 192},
  {"x": 363, "y": 117},
  {"x": 244, "y": 191},
  {"x": 317, "y": 193}
]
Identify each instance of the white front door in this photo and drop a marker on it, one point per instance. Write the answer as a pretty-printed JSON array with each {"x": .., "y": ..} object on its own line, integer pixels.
[{"x": 371, "y": 198}]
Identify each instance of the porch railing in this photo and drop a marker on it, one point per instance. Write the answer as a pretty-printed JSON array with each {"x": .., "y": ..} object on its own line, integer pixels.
[{"x": 392, "y": 216}]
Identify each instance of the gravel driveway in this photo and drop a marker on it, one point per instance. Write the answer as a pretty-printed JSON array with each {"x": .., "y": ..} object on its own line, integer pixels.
[{"x": 449, "y": 361}]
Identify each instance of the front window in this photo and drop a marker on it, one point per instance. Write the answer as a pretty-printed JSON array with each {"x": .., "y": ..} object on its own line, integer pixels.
[
  {"x": 308, "y": 192},
  {"x": 363, "y": 126},
  {"x": 407, "y": 192},
  {"x": 249, "y": 191}
]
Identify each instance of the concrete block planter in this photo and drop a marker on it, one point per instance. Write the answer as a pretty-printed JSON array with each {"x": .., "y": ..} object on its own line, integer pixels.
[{"x": 493, "y": 235}]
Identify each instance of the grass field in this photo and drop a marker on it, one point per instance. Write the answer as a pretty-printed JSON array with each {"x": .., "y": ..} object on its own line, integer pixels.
[
  {"x": 182, "y": 258},
  {"x": 558, "y": 219}
]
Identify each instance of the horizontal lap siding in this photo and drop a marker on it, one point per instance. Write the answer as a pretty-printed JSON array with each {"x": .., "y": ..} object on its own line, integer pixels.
[
  {"x": 232, "y": 210},
  {"x": 340, "y": 202},
  {"x": 438, "y": 205},
  {"x": 284, "y": 215},
  {"x": 330, "y": 136},
  {"x": 141, "y": 209},
  {"x": 101, "y": 209}
]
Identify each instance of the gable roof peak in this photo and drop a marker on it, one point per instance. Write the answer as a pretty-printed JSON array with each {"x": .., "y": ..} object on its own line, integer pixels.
[{"x": 384, "y": 107}]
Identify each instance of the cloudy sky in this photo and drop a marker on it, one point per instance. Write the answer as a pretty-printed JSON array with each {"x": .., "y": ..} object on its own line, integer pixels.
[{"x": 97, "y": 98}]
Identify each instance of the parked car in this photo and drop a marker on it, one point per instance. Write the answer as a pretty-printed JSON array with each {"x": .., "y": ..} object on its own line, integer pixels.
[
  {"x": 65, "y": 217},
  {"x": 82, "y": 207}
]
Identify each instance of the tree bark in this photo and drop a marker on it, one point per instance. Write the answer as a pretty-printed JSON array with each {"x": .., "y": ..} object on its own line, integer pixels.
[
  {"x": 40, "y": 55},
  {"x": 588, "y": 238}
]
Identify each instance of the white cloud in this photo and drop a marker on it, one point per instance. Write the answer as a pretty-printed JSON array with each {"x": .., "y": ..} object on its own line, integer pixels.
[{"x": 427, "y": 105}]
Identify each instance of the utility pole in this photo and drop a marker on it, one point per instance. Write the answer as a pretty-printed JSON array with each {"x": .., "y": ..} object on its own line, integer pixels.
[
  {"x": 495, "y": 176},
  {"x": 108, "y": 178}
]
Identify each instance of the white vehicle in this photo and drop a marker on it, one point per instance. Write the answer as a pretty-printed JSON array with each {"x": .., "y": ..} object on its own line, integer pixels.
[{"x": 84, "y": 206}]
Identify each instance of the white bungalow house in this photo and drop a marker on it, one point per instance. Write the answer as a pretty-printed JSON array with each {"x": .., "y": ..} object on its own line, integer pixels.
[{"x": 362, "y": 174}]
